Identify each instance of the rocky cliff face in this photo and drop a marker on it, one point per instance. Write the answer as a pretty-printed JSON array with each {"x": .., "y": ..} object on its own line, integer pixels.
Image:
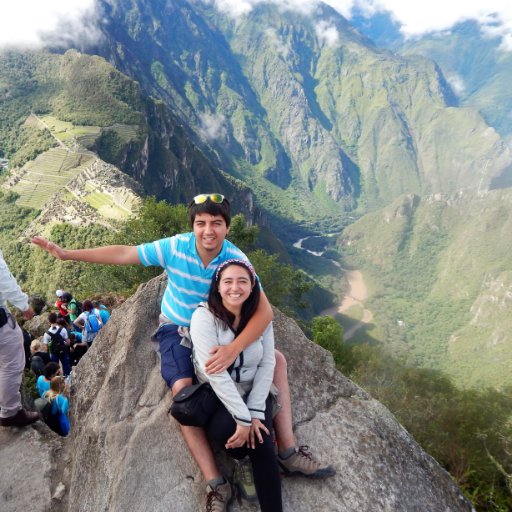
[{"x": 125, "y": 453}]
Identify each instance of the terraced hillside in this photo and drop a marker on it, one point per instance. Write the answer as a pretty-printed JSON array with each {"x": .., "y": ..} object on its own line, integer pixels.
[{"x": 49, "y": 173}]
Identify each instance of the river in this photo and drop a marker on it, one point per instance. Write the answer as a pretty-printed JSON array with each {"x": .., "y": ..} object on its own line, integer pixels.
[{"x": 356, "y": 295}]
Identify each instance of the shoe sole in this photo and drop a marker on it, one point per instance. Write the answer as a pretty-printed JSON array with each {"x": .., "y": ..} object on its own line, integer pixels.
[
  {"x": 241, "y": 492},
  {"x": 319, "y": 475}
]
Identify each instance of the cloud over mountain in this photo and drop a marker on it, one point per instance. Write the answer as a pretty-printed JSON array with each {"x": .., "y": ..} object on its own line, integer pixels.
[{"x": 36, "y": 23}]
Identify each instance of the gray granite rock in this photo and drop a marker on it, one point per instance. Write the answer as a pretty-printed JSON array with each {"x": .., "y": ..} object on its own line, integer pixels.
[{"x": 125, "y": 454}]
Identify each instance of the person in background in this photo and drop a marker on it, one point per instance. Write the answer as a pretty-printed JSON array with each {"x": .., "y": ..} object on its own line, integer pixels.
[
  {"x": 89, "y": 321},
  {"x": 104, "y": 312},
  {"x": 61, "y": 305},
  {"x": 71, "y": 305},
  {"x": 57, "y": 340},
  {"x": 39, "y": 358},
  {"x": 43, "y": 381},
  {"x": 12, "y": 354},
  {"x": 60, "y": 404},
  {"x": 78, "y": 347}
]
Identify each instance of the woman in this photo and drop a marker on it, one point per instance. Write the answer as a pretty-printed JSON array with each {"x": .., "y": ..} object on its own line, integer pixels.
[
  {"x": 242, "y": 425},
  {"x": 60, "y": 405}
]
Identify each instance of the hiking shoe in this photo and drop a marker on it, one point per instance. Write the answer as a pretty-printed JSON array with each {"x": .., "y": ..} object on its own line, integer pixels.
[
  {"x": 217, "y": 500},
  {"x": 243, "y": 480},
  {"x": 302, "y": 463},
  {"x": 21, "y": 419}
]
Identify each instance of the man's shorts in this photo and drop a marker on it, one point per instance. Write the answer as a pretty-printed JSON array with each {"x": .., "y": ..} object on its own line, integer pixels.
[{"x": 176, "y": 360}]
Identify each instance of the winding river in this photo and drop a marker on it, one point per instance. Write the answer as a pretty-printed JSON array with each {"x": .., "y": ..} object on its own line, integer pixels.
[{"x": 356, "y": 295}]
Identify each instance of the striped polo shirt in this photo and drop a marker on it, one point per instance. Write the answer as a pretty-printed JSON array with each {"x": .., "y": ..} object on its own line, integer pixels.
[{"x": 189, "y": 280}]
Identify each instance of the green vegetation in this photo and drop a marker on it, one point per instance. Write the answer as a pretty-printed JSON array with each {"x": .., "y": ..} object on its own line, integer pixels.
[
  {"x": 437, "y": 270},
  {"x": 468, "y": 432}
]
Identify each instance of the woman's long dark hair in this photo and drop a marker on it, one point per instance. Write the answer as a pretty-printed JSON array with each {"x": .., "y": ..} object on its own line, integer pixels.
[{"x": 249, "y": 307}]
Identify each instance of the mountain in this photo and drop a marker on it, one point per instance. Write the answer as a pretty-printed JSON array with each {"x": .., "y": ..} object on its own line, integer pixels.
[
  {"x": 314, "y": 125},
  {"x": 76, "y": 111},
  {"x": 477, "y": 65},
  {"x": 440, "y": 272}
]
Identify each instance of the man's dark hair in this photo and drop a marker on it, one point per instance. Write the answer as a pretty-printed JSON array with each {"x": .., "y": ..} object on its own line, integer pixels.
[
  {"x": 52, "y": 318},
  {"x": 87, "y": 305},
  {"x": 51, "y": 369},
  {"x": 223, "y": 209}
]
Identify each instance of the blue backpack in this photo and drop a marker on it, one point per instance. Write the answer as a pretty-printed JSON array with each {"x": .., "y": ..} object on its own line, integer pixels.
[{"x": 93, "y": 322}]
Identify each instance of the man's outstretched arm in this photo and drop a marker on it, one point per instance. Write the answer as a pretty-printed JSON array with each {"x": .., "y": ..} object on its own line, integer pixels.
[
  {"x": 110, "y": 254},
  {"x": 223, "y": 356}
]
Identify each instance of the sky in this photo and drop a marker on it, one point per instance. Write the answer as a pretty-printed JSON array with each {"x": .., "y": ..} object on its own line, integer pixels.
[{"x": 27, "y": 22}]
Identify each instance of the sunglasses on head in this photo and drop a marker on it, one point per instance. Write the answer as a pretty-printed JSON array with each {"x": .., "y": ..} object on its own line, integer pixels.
[{"x": 202, "y": 198}]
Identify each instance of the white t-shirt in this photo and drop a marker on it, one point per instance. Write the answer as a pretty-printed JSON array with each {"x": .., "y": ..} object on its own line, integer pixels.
[{"x": 54, "y": 328}]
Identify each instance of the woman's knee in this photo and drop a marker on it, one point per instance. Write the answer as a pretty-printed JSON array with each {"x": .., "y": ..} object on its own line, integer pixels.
[{"x": 281, "y": 363}]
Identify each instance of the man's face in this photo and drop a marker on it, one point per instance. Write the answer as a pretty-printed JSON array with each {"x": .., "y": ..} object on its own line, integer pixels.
[{"x": 210, "y": 232}]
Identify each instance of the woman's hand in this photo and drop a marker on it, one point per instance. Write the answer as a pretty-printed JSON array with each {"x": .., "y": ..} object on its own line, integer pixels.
[
  {"x": 221, "y": 358},
  {"x": 239, "y": 438},
  {"x": 55, "y": 250},
  {"x": 255, "y": 433}
]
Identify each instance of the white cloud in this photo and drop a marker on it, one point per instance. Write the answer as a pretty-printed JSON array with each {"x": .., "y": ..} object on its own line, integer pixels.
[
  {"x": 327, "y": 33},
  {"x": 213, "y": 126},
  {"x": 415, "y": 17},
  {"x": 281, "y": 47},
  {"x": 457, "y": 84},
  {"x": 33, "y": 23}
]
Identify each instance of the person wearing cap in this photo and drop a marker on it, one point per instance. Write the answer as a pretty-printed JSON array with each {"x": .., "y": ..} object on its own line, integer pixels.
[
  {"x": 190, "y": 261},
  {"x": 61, "y": 304},
  {"x": 12, "y": 354}
]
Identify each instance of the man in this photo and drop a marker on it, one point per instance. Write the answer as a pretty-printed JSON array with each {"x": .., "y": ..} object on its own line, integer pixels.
[
  {"x": 12, "y": 355},
  {"x": 190, "y": 260}
]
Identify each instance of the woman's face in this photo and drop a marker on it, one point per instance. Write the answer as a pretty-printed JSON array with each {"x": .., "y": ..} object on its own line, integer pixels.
[{"x": 234, "y": 286}]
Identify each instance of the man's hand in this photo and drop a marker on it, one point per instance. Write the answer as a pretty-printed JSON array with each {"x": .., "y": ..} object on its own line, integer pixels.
[
  {"x": 255, "y": 433},
  {"x": 239, "y": 438},
  {"x": 28, "y": 313},
  {"x": 55, "y": 250},
  {"x": 221, "y": 359}
]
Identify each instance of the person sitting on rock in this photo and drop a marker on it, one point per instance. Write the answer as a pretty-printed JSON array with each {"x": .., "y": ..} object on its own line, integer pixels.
[
  {"x": 43, "y": 381},
  {"x": 59, "y": 402},
  {"x": 190, "y": 261},
  {"x": 242, "y": 424}
]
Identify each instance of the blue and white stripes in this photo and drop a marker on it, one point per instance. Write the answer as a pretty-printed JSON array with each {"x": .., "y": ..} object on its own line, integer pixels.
[{"x": 188, "y": 280}]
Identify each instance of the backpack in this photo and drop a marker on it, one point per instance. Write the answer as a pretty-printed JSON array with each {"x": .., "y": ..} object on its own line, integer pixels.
[
  {"x": 50, "y": 417},
  {"x": 93, "y": 322},
  {"x": 78, "y": 304},
  {"x": 37, "y": 366},
  {"x": 57, "y": 344}
]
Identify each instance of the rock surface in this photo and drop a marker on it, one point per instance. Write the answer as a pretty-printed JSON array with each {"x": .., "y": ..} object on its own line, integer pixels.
[{"x": 126, "y": 454}]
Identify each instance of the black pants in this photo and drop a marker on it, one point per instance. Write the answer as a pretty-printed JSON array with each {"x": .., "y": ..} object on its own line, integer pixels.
[{"x": 263, "y": 458}]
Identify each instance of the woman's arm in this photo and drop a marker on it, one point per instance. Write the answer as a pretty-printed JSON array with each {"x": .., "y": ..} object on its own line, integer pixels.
[
  {"x": 205, "y": 334},
  {"x": 221, "y": 357}
]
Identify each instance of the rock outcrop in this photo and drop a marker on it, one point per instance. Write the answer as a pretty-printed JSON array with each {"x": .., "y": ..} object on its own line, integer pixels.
[{"x": 126, "y": 454}]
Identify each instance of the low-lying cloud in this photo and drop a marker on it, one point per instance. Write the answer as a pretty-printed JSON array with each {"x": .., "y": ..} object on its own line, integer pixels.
[
  {"x": 213, "y": 126},
  {"x": 414, "y": 17},
  {"x": 36, "y": 23}
]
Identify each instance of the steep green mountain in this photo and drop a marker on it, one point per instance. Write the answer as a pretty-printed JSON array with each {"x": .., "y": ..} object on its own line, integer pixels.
[
  {"x": 439, "y": 269},
  {"x": 477, "y": 67},
  {"x": 314, "y": 125},
  {"x": 86, "y": 108}
]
